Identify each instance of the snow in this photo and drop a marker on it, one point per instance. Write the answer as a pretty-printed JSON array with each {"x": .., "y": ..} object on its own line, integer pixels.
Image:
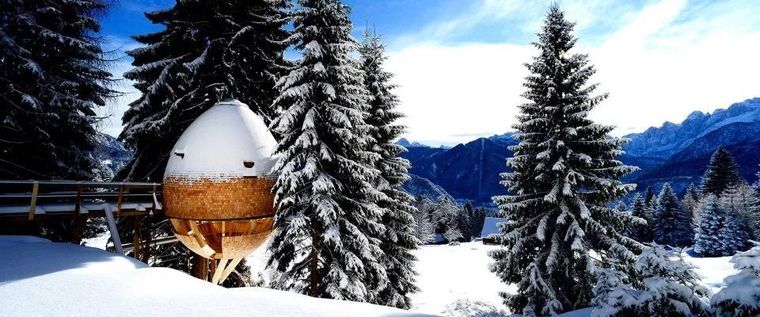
[
  {"x": 41, "y": 278},
  {"x": 490, "y": 226},
  {"x": 217, "y": 143},
  {"x": 454, "y": 280}
]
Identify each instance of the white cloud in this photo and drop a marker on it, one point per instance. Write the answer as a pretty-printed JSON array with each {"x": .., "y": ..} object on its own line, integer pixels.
[{"x": 666, "y": 60}]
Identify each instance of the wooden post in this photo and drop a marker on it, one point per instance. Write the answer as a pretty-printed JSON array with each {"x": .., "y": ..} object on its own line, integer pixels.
[
  {"x": 218, "y": 270},
  {"x": 113, "y": 229},
  {"x": 229, "y": 269},
  {"x": 78, "y": 203},
  {"x": 118, "y": 200},
  {"x": 148, "y": 239},
  {"x": 136, "y": 239},
  {"x": 33, "y": 204}
]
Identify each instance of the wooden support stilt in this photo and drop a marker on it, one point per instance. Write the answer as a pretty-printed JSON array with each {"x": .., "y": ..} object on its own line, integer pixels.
[
  {"x": 229, "y": 269},
  {"x": 108, "y": 210},
  {"x": 219, "y": 270},
  {"x": 119, "y": 200},
  {"x": 33, "y": 203},
  {"x": 137, "y": 239}
]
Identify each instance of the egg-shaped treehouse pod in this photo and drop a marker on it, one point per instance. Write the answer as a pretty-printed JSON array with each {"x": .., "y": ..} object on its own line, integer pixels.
[{"x": 217, "y": 186}]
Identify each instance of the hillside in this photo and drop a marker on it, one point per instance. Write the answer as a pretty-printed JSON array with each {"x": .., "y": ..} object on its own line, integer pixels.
[{"x": 466, "y": 171}]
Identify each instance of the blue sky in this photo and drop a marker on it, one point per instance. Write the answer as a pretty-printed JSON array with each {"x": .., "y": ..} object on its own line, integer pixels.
[{"x": 459, "y": 68}]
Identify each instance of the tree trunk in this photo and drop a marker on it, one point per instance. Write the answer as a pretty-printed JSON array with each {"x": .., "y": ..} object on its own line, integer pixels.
[
  {"x": 314, "y": 275},
  {"x": 200, "y": 267}
]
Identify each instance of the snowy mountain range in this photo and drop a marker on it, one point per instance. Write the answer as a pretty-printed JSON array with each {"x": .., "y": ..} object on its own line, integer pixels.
[{"x": 676, "y": 153}]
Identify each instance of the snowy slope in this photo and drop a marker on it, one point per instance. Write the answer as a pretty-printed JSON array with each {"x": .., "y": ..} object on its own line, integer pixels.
[
  {"x": 455, "y": 281},
  {"x": 41, "y": 278}
]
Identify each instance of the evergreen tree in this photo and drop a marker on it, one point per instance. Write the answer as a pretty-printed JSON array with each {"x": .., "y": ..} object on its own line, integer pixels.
[
  {"x": 424, "y": 229},
  {"x": 690, "y": 202},
  {"x": 735, "y": 232},
  {"x": 564, "y": 175},
  {"x": 670, "y": 287},
  {"x": 649, "y": 197},
  {"x": 52, "y": 78},
  {"x": 327, "y": 225},
  {"x": 722, "y": 173},
  {"x": 741, "y": 296},
  {"x": 672, "y": 224},
  {"x": 711, "y": 220},
  {"x": 208, "y": 51},
  {"x": 398, "y": 239},
  {"x": 641, "y": 231}
]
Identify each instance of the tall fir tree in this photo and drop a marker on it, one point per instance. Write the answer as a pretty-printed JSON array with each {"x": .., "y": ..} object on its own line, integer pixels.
[
  {"x": 649, "y": 197},
  {"x": 722, "y": 173},
  {"x": 52, "y": 78},
  {"x": 327, "y": 226},
  {"x": 737, "y": 228},
  {"x": 208, "y": 51},
  {"x": 672, "y": 223},
  {"x": 711, "y": 220},
  {"x": 641, "y": 232},
  {"x": 690, "y": 202},
  {"x": 398, "y": 239},
  {"x": 564, "y": 175}
]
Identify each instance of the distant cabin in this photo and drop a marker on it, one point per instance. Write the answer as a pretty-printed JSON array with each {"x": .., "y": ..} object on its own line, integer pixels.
[{"x": 490, "y": 229}]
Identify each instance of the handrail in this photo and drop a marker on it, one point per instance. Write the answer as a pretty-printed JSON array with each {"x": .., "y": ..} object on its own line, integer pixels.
[
  {"x": 73, "y": 182},
  {"x": 36, "y": 194}
]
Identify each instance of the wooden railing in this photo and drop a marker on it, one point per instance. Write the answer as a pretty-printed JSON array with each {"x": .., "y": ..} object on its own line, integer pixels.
[{"x": 72, "y": 198}]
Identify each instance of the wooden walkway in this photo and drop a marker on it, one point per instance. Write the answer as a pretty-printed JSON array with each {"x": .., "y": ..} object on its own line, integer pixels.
[{"x": 22, "y": 201}]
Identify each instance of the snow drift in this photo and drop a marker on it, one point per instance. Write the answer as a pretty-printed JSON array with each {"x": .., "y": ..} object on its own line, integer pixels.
[{"x": 41, "y": 278}]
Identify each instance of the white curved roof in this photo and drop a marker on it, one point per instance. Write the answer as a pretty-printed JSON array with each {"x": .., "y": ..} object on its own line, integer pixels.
[{"x": 219, "y": 141}]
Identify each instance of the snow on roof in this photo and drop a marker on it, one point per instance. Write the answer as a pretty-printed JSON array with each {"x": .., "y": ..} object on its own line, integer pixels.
[
  {"x": 490, "y": 226},
  {"x": 219, "y": 142},
  {"x": 41, "y": 278}
]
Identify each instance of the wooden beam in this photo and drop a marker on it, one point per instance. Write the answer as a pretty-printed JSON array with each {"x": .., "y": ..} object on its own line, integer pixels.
[
  {"x": 78, "y": 202},
  {"x": 113, "y": 229},
  {"x": 119, "y": 199},
  {"x": 220, "y": 268},
  {"x": 229, "y": 269}
]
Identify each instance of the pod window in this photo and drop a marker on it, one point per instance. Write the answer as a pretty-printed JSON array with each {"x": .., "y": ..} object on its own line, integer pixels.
[{"x": 248, "y": 164}]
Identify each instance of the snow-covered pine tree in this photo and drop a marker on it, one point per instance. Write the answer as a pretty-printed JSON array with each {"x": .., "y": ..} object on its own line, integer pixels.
[
  {"x": 672, "y": 224},
  {"x": 325, "y": 243},
  {"x": 208, "y": 51},
  {"x": 52, "y": 78},
  {"x": 741, "y": 296},
  {"x": 424, "y": 229},
  {"x": 564, "y": 175},
  {"x": 690, "y": 202},
  {"x": 737, "y": 202},
  {"x": 711, "y": 220},
  {"x": 722, "y": 173},
  {"x": 641, "y": 232},
  {"x": 670, "y": 287},
  {"x": 398, "y": 239}
]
